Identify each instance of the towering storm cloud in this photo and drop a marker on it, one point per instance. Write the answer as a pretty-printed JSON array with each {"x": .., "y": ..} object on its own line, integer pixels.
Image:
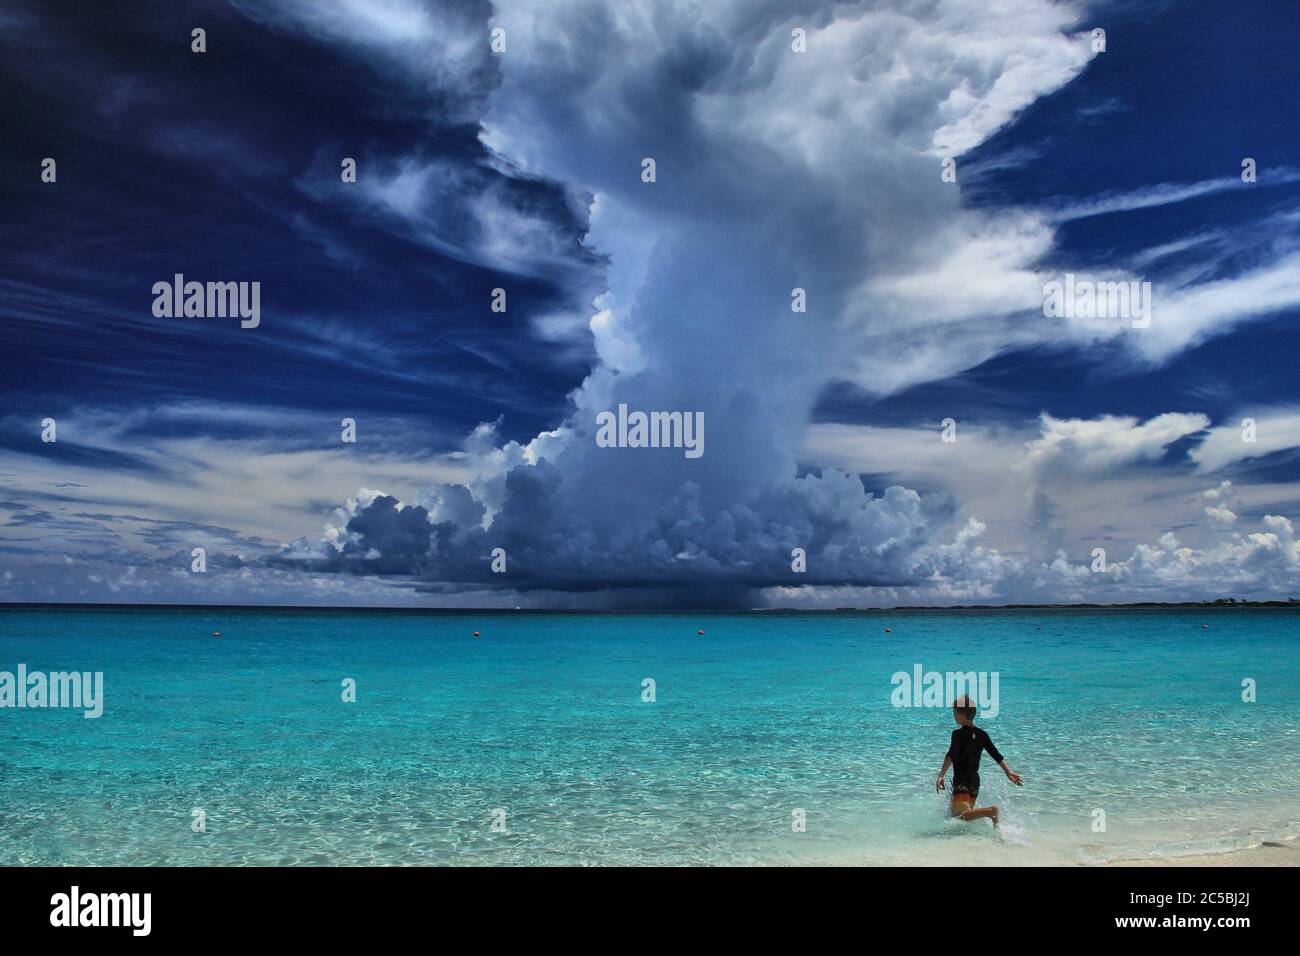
[{"x": 750, "y": 171}]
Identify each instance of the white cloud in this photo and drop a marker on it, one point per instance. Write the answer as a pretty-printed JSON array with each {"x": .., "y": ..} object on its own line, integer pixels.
[
  {"x": 274, "y": 487},
  {"x": 1164, "y": 194},
  {"x": 1276, "y": 429},
  {"x": 1098, "y": 444},
  {"x": 466, "y": 213},
  {"x": 1066, "y": 485},
  {"x": 1185, "y": 317}
]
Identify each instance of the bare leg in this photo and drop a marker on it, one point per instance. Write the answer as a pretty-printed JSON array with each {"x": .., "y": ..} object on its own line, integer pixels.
[{"x": 979, "y": 813}]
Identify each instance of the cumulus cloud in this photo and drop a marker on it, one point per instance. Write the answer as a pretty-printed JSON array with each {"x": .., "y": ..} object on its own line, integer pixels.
[
  {"x": 724, "y": 550},
  {"x": 1218, "y": 510},
  {"x": 1261, "y": 564},
  {"x": 1060, "y": 483},
  {"x": 1258, "y": 563}
]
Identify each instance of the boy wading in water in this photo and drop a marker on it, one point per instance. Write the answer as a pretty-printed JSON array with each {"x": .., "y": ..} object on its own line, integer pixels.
[{"x": 968, "y": 742}]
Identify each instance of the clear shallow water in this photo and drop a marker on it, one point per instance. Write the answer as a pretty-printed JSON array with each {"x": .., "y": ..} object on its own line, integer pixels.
[{"x": 1138, "y": 714}]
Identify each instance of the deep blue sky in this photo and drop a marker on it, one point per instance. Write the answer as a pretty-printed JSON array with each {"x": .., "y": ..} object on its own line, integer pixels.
[{"x": 171, "y": 161}]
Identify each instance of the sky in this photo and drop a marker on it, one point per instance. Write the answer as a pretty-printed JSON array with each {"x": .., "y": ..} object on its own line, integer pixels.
[{"x": 839, "y": 261}]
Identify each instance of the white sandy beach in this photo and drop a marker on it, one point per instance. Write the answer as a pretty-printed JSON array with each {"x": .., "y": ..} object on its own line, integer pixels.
[{"x": 1271, "y": 853}]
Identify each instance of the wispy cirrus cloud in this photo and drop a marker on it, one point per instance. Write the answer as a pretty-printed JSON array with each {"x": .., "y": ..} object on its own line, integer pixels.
[{"x": 1164, "y": 194}]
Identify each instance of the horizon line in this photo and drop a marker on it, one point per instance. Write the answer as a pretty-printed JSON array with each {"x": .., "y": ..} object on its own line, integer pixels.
[{"x": 1217, "y": 603}]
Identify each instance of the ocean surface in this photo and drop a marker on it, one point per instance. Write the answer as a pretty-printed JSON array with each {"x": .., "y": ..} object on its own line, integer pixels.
[{"x": 1134, "y": 719}]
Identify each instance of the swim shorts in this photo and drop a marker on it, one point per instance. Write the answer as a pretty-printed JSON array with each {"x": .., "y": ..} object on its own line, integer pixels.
[{"x": 967, "y": 785}]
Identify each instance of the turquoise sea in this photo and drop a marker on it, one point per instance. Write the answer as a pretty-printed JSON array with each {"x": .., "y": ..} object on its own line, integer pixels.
[{"x": 1137, "y": 715}]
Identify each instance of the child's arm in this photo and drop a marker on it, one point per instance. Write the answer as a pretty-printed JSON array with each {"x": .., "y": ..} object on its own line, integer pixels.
[
  {"x": 1011, "y": 774},
  {"x": 993, "y": 752},
  {"x": 947, "y": 762}
]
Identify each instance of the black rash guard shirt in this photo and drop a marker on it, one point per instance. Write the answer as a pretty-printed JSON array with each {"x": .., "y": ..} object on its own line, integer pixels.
[{"x": 964, "y": 752}]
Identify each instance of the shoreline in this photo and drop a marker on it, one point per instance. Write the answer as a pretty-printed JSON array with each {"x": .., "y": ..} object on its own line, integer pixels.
[{"x": 1271, "y": 853}]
